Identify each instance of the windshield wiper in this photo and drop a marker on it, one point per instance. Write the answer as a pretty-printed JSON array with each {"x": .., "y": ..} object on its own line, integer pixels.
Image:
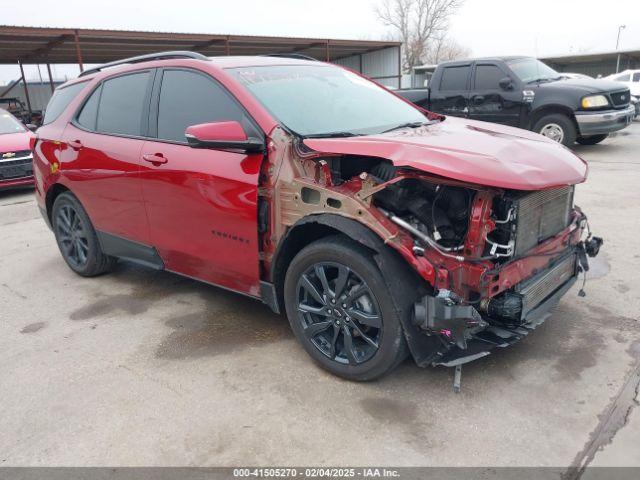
[
  {"x": 406, "y": 125},
  {"x": 333, "y": 135},
  {"x": 542, "y": 79}
]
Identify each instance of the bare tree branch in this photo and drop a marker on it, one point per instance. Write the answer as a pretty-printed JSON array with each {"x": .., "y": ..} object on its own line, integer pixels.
[{"x": 416, "y": 23}]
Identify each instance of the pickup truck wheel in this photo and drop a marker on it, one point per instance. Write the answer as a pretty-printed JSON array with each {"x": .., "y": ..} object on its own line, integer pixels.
[
  {"x": 592, "y": 139},
  {"x": 341, "y": 310},
  {"x": 77, "y": 238},
  {"x": 557, "y": 127}
]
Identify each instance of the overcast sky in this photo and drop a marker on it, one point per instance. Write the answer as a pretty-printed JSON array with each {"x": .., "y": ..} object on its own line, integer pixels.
[{"x": 487, "y": 27}]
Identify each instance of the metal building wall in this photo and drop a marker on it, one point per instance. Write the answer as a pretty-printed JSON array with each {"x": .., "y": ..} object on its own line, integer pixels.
[{"x": 383, "y": 66}]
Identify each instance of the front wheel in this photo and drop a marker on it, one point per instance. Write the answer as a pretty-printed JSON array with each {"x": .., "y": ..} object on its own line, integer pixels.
[
  {"x": 592, "y": 139},
  {"x": 341, "y": 310},
  {"x": 557, "y": 127}
]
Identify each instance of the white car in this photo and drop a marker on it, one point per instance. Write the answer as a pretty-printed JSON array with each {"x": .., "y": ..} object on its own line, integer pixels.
[{"x": 631, "y": 78}]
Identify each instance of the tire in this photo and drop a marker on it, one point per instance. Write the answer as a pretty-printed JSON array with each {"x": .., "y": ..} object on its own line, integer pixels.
[
  {"x": 592, "y": 139},
  {"x": 77, "y": 238},
  {"x": 558, "y": 127},
  {"x": 326, "y": 329}
]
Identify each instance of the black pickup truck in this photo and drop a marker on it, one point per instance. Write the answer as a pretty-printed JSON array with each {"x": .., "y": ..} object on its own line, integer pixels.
[{"x": 526, "y": 93}]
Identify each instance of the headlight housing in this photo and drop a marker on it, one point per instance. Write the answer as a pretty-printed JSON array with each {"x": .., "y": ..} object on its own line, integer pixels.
[{"x": 595, "y": 101}]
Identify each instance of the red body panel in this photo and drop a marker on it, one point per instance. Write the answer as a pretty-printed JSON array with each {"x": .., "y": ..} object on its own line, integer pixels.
[
  {"x": 14, "y": 142},
  {"x": 476, "y": 152},
  {"x": 202, "y": 210}
]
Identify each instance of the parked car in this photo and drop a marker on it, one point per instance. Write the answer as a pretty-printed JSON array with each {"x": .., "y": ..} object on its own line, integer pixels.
[
  {"x": 526, "y": 93},
  {"x": 16, "y": 169},
  {"x": 631, "y": 79},
  {"x": 380, "y": 230}
]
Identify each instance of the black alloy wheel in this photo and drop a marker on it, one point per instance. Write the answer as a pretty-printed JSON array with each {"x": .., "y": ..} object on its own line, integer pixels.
[
  {"x": 77, "y": 239},
  {"x": 72, "y": 236},
  {"x": 338, "y": 313}
]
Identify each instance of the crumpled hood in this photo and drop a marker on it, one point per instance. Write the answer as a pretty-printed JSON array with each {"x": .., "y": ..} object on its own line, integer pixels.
[
  {"x": 14, "y": 142},
  {"x": 470, "y": 151}
]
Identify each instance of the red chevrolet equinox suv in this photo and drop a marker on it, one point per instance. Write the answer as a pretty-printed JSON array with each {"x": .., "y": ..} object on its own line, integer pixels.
[{"x": 382, "y": 230}]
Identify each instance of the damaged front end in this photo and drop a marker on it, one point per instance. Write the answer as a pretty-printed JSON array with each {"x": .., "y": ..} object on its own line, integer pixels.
[{"x": 491, "y": 262}]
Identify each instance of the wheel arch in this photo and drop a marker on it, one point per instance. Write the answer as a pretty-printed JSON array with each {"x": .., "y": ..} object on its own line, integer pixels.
[
  {"x": 389, "y": 261},
  {"x": 550, "y": 109},
  {"x": 53, "y": 192}
]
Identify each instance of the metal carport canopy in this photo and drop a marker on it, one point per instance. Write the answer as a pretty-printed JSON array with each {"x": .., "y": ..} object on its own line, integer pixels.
[{"x": 78, "y": 45}]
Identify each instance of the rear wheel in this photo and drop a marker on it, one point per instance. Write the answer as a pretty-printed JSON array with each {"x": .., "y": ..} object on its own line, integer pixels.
[
  {"x": 592, "y": 139},
  {"x": 77, "y": 238},
  {"x": 557, "y": 127},
  {"x": 341, "y": 310}
]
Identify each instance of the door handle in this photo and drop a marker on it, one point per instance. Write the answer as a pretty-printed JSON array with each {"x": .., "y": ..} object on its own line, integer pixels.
[
  {"x": 478, "y": 99},
  {"x": 156, "y": 159},
  {"x": 75, "y": 144}
]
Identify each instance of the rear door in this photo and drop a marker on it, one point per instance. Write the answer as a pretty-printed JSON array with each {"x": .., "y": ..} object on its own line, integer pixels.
[
  {"x": 101, "y": 154},
  {"x": 451, "y": 95},
  {"x": 491, "y": 103},
  {"x": 201, "y": 203}
]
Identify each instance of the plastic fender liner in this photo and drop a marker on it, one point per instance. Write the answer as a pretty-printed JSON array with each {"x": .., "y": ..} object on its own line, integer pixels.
[{"x": 397, "y": 273}]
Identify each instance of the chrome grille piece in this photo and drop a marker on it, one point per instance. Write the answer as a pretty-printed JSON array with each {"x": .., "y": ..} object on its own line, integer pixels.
[
  {"x": 541, "y": 215},
  {"x": 620, "y": 99}
]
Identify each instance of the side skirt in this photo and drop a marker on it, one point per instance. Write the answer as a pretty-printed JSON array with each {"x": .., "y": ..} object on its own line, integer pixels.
[{"x": 129, "y": 250}]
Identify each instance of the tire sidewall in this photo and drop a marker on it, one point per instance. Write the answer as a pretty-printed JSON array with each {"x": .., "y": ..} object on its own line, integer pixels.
[
  {"x": 94, "y": 249},
  {"x": 569, "y": 130},
  {"x": 392, "y": 338}
]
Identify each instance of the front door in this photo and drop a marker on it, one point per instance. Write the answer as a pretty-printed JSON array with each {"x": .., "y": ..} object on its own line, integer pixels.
[
  {"x": 201, "y": 203},
  {"x": 491, "y": 103}
]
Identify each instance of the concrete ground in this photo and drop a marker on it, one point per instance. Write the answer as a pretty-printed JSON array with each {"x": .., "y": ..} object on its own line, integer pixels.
[{"x": 147, "y": 368}]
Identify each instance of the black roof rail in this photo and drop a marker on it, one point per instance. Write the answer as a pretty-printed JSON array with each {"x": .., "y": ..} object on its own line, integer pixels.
[
  {"x": 146, "y": 58},
  {"x": 298, "y": 56}
]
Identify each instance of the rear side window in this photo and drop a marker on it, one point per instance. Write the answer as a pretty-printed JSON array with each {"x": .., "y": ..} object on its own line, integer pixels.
[
  {"x": 122, "y": 103},
  {"x": 488, "y": 77},
  {"x": 87, "y": 117},
  {"x": 189, "y": 98},
  {"x": 61, "y": 100},
  {"x": 455, "y": 78}
]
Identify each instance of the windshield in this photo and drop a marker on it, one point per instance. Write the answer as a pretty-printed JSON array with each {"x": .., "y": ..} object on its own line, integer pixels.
[
  {"x": 326, "y": 101},
  {"x": 9, "y": 124},
  {"x": 531, "y": 70}
]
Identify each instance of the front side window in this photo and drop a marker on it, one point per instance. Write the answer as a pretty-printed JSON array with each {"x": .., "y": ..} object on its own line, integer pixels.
[
  {"x": 488, "y": 77},
  {"x": 636, "y": 77},
  {"x": 122, "y": 103},
  {"x": 61, "y": 100},
  {"x": 322, "y": 100},
  {"x": 623, "y": 78},
  {"x": 9, "y": 124},
  {"x": 190, "y": 98},
  {"x": 455, "y": 78}
]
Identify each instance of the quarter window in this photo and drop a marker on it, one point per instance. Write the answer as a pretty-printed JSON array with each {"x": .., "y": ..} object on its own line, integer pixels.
[
  {"x": 488, "y": 77},
  {"x": 122, "y": 104},
  {"x": 60, "y": 101},
  {"x": 190, "y": 98},
  {"x": 455, "y": 78},
  {"x": 87, "y": 117}
]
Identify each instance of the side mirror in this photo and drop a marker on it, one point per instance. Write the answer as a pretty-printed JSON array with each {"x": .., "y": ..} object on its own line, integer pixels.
[
  {"x": 222, "y": 135},
  {"x": 32, "y": 126},
  {"x": 506, "y": 83}
]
